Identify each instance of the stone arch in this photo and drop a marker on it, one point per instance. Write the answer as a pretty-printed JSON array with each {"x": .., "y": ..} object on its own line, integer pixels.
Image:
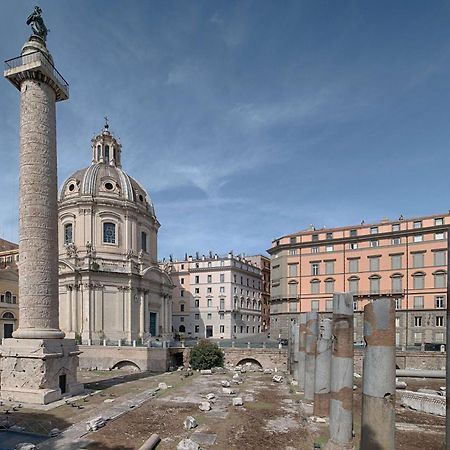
[
  {"x": 8, "y": 315},
  {"x": 126, "y": 364},
  {"x": 244, "y": 361}
]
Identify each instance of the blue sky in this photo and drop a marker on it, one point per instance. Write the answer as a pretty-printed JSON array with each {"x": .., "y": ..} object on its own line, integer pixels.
[{"x": 247, "y": 120}]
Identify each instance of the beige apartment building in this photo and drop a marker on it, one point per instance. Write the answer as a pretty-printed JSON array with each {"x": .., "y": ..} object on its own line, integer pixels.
[
  {"x": 405, "y": 259},
  {"x": 217, "y": 296},
  {"x": 263, "y": 262}
]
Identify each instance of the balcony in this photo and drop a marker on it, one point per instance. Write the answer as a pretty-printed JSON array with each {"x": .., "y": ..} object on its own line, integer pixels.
[{"x": 380, "y": 293}]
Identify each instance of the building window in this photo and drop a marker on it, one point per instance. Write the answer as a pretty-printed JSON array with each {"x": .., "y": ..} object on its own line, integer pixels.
[
  {"x": 439, "y": 279},
  {"x": 197, "y": 290},
  {"x": 222, "y": 289},
  {"x": 197, "y": 316},
  {"x": 222, "y": 329},
  {"x": 374, "y": 263},
  {"x": 222, "y": 278},
  {"x": 181, "y": 280},
  {"x": 418, "y": 321},
  {"x": 182, "y": 293},
  {"x": 181, "y": 319},
  {"x": 209, "y": 278},
  {"x": 353, "y": 245},
  {"x": 374, "y": 243},
  {"x": 355, "y": 308},
  {"x": 182, "y": 307},
  {"x": 315, "y": 249},
  {"x": 181, "y": 329},
  {"x": 293, "y": 270},
  {"x": 209, "y": 290},
  {"x": 8, "y": 297},
  {"x": 315, "y": 237},
  {"x": 396, "y": 262},
  {"x": 292, "y": 289},
  {"x": 439, "y": 221},
  {"x": 197, "y": 303},
  {"x": 439, "y": 301},
  {"x": 221, "y": 316},
  {"x": 353, "y": 285},
  {"x": 353, "y": 265},
  {"x": 222, "y": 304},
  {"x": 68, "y": 233},
  {"x": 329, "y": 248},
  {"x": 315, "y": 286},
  {"x": 418, "y": 259},
  {"x": 329, "y": 235},
  {"x": 396, "y": 241},
  {"x": 439, "y": 337},
  {"x": 418, "y": 302},
  {"x": 106, "y": 153},
  {"x": 329, "y": 267},
  {"x": 417, "y": 338},
  {"x": 353, "y": 233},
  {"x": 418, "y": 280},
  {"x": 109, "y": 233},
  {"x": 439, "y": 236},
  {"x": 144, "y": 241},
  {"x": 374, "y": 285},
  {"x": 398, "y": 303},
  {"x": 315, "y": 269},
  {"x": 197, "y": 329},
  {"x": 418, "y": 238},
  {"x": 397, "y": 322},
  {"x": 417, "y": 224},
  {"x": 292, "y": 251},
  {"x": 329, "y": 286},
  {"x": 209, "y": 316},
  {"x": 439, "y": 258},
  {"x": 315, "y": 305},
  {"x": 209, "y": 302},
  {"x": 292, "y": 306},
  {"x": 374, "y": 230},
  {"x": 197, "y": 279},
  {"x": 396, "y": 283},
  {"x": 395, "y": 227},
  {"x": 439, "y": 321},
  {"x": 329, "y": 305}
]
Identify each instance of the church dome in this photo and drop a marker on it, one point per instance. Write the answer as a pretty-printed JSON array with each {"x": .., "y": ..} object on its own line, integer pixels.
[{"x": 105, "y": 176}]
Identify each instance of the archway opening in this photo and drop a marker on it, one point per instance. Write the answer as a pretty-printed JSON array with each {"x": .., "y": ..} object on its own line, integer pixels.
[
  {"x": 250, "y": 364},
  {"x": 129, "y": 366}
]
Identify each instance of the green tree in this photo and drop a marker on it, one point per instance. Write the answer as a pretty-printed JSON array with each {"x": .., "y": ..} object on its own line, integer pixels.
[{"x": 206, "y": 355}]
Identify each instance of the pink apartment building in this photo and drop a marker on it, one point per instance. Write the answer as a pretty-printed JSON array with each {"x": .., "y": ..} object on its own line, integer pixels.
[
  {"x": 404, "y": 259},
  {"x": 216, "y": 296}
]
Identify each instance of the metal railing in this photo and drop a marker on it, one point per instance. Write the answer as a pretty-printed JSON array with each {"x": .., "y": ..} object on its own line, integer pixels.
[{"x": 43, "y": 58}]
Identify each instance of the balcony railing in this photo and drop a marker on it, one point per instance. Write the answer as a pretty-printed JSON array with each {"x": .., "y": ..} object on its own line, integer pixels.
[
  {"x": 38, "y": 56},
  {"x": 380, "y": 293}
]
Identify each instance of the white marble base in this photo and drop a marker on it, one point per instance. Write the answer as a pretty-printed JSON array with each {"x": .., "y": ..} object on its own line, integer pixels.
[{"x": 32, "y": 368}]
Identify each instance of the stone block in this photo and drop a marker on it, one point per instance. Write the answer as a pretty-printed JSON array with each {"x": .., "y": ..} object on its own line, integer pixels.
[
  {"x": 237, "y": 401},
  {"x": 204, "y": 406},
  {"x": 227, "y": 391},
  {"x": 188, "y": 444},
  {"x": 190, "y": 423}
]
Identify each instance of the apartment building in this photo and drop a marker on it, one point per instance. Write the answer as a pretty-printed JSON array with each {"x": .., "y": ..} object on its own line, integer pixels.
[
  {"x": 263, "y": 262},
  {"x": 9, "y": 255},
  {"x": 405, "y": 259},
  {"x": 216, "y": 296}
]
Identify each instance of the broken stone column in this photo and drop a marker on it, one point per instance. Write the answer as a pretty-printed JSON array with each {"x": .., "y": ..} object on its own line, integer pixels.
[
  {"x": 295, "y": 337},
  {"x": 378, "y": 393},
  {"x": 37, "y": 364},
  {"x": 310, "y": 360},
  {"x": 323, "y": 369},
  {"x": 301, "y": 351},
  {"x": 341, "y": 398}
]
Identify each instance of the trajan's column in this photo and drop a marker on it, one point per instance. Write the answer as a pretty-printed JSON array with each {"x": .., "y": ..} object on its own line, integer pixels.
[{"x": 38, "y": 364}]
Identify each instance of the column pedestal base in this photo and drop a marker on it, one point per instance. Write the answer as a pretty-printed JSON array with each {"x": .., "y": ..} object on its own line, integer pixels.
[{"x": 39, "y": 371}]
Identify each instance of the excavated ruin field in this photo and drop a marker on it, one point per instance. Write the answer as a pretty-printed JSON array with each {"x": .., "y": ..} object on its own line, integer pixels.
[{"x": 274, "y": 415}]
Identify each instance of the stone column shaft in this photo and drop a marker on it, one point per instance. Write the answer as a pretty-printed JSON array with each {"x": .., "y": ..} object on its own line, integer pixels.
[
  {"x": 38, "y": 220},
  {"x": 378, "y": 399},
  {"x": 323, "y": 369},
  {"x": 310, "y": 360},
  {"x": 301, "y": 352},
  {"x": 341, "y": 400}
]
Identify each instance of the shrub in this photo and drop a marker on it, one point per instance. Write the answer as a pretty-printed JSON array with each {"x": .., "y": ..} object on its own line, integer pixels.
[{"x": 206, "y": 355}]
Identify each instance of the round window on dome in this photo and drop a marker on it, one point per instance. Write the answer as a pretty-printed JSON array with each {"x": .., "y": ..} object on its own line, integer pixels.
[
  {"x": 71, "y": 187},
  {"x": 109, "y": 186}
]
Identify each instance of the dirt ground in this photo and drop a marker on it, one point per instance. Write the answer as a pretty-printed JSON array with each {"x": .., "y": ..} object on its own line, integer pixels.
[{"x": 274, "y": 415}]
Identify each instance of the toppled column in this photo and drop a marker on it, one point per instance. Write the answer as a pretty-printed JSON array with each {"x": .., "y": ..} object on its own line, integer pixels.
[
  {"x": 301, "y": 352},
  {"x": 310, "y": 360},
  {"x": 378, "y": 399},
  {"x": 341, "y": 399},
  {"x": 323, "y": 369}
]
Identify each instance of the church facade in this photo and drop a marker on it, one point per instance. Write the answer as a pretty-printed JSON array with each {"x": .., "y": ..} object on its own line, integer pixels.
[{"x": 110, "y": 285}]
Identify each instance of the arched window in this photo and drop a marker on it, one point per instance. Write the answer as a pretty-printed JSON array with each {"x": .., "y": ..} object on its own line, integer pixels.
[
  {"x": 181, "y": 329},
  {"x": 353, "y": 285},
  {"x": 99, "y": 152},
  {"x": 374, "y": 284},
  {"x": 109, "y": 232},
  {"x": 143, "y": 241},
  {"x": 8, "y": 315},
  {"x": 106, "y": 153},
  {"x": 242, "y": 303},
  {"x": 439, "y": 279},
  {"x": 8, "y": 297},
  {"x": 418, "y": 280},
  {"x": 68, "y": 233},
  {"x": 329, "y": 285},
  {"x": 396, "y": 283},
  {"x": 293, "y": 290},
  {"x": 315, "y": 286}
]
